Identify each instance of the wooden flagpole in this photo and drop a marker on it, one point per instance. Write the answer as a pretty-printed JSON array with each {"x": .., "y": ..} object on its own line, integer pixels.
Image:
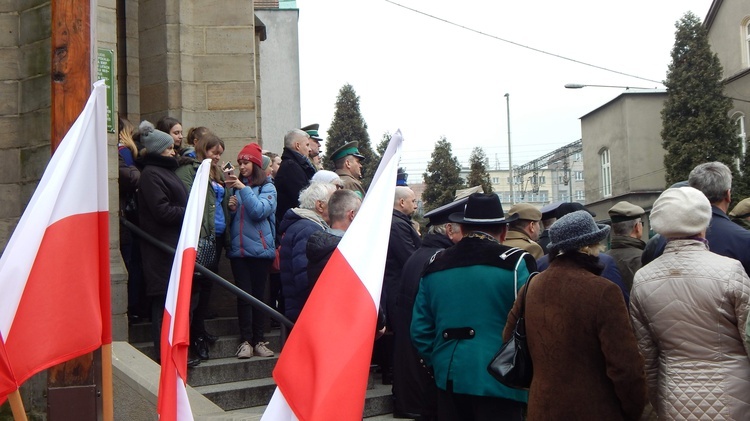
[
  {"x": 108, "y": 407},
  {"x": 16, "y": 406}
]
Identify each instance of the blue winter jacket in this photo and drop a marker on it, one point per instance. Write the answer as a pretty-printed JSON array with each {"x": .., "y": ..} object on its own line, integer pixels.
[
  {"x": 295, "y": 230},
  {"x": 252, "y": 225}
]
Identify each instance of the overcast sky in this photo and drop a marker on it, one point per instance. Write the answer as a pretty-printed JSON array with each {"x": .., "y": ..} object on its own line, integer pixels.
[{"x": 431, "y": 78}]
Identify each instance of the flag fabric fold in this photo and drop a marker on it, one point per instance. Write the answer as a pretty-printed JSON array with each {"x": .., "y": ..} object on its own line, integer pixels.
[
  {"x": 323, "y": 369},
  {"x": 173, "y": 401},
  {"x": 54, "y": 272}
]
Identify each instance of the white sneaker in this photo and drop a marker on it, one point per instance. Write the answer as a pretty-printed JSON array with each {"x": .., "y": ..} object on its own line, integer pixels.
[
  {"x": 244, "y": 351},
  {"x": 262, "y": 351}
]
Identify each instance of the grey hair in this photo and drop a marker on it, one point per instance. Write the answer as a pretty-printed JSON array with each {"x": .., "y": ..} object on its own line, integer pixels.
[
  {"x": 314, "y": 192},
  {"x": 291, "y": 137},
  {"x": 442, "y": 228},
  {"x": 624, "y": 227},
  {"x": 341, "y": 202},
  {"x": 714, "y": 179},
  {"x": 402, "y": 192}
]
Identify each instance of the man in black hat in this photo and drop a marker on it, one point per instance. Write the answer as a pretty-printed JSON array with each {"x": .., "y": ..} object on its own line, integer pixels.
[
  {"x": 348, "y": 162},
  {"x": 414, "y": 390},
  {"x": 464, "y": 297}
]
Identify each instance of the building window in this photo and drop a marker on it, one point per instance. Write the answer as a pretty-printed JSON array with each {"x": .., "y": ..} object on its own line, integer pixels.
[
  {"x": 543, "y": 196},
  {"x": 577, "y": 156},
  {"x": 579, "y": 175},
  {"x": 746, "y": 44},
  {"x": 606, "y": 173},
  {"x": 542, "y": 179},
  {"x": 563, "y": 196},
  {"x": 579, "y": 195},
  {"x": 495, "y": 180}
]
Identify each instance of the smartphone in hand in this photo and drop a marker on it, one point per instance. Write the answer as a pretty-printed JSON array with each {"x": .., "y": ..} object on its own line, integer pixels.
[{"x": 228, "y": 168}]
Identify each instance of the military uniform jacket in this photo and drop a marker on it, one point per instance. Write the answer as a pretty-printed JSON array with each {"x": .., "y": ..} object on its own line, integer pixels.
[
  {"x": 521, "y": 240},
  {"x": 627, "y": 253},
  {"x": 460, "y": 310},
  {"x": 351, "y": 183}
]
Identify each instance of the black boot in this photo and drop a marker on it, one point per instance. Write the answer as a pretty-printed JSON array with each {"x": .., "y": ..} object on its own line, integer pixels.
[{"x": 200, "y": 348}]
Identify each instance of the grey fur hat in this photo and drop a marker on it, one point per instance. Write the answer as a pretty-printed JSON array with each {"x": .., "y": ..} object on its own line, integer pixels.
[
  {"x": 575, "y": 231},
  {"x": 155, "y": 141}
]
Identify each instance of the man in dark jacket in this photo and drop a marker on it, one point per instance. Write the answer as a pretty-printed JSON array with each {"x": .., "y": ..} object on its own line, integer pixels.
[
  {"x": 404, "y": 240},
  {"x": 294, "y": 173},
  {"x": 414, "y": 390},
  {"x": 724, "y": 237},
  {"x": 626, "y": 243}
]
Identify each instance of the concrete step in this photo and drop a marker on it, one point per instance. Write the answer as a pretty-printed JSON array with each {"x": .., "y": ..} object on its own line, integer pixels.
[
  {"x": 225, "y": 346},
  {"x": 378, "y": 401},
  {"x": 241, "y": 394},
  {"x": 231, "y": 369},
  {"x": 220, "y": 326}
]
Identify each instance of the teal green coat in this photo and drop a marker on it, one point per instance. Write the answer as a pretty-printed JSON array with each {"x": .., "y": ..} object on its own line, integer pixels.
[
  {"x": 468, "y": 286},
  {"x": 186, "y": 173}
]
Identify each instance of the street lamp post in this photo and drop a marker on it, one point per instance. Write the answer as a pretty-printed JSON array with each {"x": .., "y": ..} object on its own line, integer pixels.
[
  {"x": 510, "y": 160},
  {"x": 580, "y": 86}
]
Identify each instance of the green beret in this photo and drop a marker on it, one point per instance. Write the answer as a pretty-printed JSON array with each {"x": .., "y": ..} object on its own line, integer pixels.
[{"x": 742, "y": 210}]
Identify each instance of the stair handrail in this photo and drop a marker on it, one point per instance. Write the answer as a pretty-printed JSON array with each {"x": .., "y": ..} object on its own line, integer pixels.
[{"x": 284, "y": 323}]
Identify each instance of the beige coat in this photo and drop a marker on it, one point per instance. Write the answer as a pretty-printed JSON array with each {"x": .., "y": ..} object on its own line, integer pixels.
[{"x": 689, "y": 309}]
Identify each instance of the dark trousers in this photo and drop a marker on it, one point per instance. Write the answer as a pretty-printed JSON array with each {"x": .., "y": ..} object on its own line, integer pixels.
[
  {"x": 250, "y": 275},
  {"x": 460, "y": 407},
  {"x": 203, "y": 287}
]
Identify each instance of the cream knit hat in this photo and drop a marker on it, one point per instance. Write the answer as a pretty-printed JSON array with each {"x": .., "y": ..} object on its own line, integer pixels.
[{"x": 680, "y": 212}]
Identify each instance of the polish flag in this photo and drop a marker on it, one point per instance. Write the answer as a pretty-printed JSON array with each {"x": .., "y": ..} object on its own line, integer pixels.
[
  {"x": 54, "y": 273},
  {"x": 173, "y": 401},
  {"x": 322, "y": 372}
]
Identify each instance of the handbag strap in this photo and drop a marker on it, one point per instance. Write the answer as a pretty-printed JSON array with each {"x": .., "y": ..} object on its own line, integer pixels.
[{"x": 526, "y": 291}]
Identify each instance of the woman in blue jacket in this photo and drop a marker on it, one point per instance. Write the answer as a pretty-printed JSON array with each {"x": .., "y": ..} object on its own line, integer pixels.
[{"x": 252, "y": 207}]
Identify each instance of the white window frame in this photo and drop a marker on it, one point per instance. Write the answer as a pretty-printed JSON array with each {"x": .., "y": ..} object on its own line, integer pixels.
[
  {"x": 579, "y": 175},
  {"x": 606, "y": 172}
]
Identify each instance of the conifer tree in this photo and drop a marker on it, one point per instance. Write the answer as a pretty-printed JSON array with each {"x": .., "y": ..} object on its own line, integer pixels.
[
  {"x": 348, "y": 125},
  {"x": 695, "y": 119},
  {"x": 478, "y": 174},
  {"x": 443, "y": 176}
]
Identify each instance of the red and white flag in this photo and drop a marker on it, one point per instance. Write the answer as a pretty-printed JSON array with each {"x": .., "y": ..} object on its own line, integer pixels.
[
  {"x": 175, "y": 330},
  {"x": 322, "y": 372},
  {"x": 54, "y": 273}
]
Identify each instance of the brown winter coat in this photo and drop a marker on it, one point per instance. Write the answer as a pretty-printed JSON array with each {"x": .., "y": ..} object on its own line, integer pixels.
[{"x": 586, "y": 360}]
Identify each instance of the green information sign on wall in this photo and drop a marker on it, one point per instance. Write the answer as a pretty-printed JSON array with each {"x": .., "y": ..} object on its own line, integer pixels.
[{"x": 105, "y": 70}]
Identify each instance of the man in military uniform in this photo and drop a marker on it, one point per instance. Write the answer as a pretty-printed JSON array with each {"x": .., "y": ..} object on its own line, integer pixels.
[
  {"x": 464, "y": 297},
  {"x": 315, "y": 140},
  {"x": 348, "y": 162},
  {"x": 627, "y": 246},
  {"x": 524, "y": 231},
  {"x": 741, "y": 214}
]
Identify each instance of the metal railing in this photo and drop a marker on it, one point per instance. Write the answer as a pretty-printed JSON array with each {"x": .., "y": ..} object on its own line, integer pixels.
[{"x": 284, "y": 323}]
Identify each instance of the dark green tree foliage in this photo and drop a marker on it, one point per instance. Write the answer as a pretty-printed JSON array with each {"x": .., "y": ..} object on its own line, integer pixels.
[
  {"x": 695, "y": 119},
  {"x": 478, "y": 174},
  {"x": 348, "y": 125},
  {"x": 443, "y": 176}
]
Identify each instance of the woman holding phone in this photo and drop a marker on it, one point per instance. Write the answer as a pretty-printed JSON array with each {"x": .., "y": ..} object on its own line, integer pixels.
[{"x": 252, "y": 206}]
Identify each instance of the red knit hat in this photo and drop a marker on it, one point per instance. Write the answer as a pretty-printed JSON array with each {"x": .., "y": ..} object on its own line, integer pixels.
[{"x": 251, "y": 152}]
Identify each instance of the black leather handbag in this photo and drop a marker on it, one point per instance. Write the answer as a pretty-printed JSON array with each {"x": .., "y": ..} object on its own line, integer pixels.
[{"x": 512, "y": 365}]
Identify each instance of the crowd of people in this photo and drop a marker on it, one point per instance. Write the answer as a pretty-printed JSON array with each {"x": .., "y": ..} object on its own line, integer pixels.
[
  {"x": 258, "y": 213},
  {"x": 640, "y": 329}
]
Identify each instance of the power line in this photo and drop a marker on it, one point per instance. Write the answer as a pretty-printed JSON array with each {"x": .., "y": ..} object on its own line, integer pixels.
[{"x": 521, "y": 45}]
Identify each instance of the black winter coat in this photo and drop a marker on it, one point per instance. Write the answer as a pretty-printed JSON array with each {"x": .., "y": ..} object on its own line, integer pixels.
[
  {"x": 293, "y": 175},
  {"x": 413, "y": 386},
  {"x": 162, "y": 198},
  {"x": 403, "y": 242}
]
